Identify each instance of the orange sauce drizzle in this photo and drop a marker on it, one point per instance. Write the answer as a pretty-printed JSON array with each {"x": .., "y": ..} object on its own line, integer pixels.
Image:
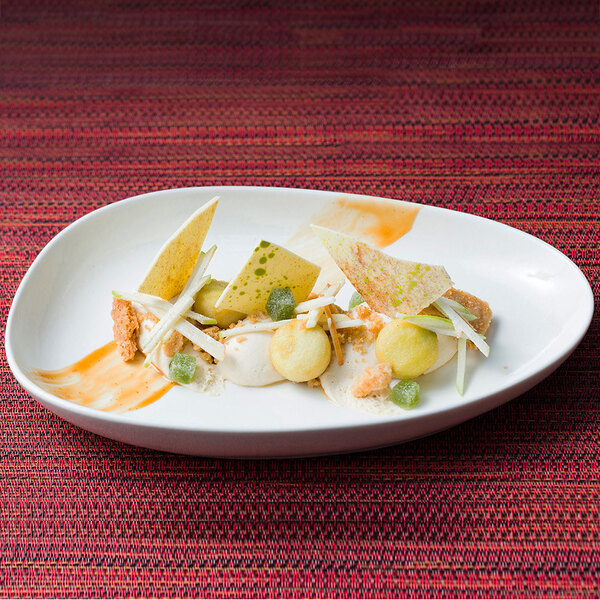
[
  {"x": 382, "y": 222},
  {"x": 102, "y": 380}
]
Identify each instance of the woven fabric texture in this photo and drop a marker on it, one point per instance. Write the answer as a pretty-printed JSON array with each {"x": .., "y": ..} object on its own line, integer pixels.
[{"x": 491, "y": 108}]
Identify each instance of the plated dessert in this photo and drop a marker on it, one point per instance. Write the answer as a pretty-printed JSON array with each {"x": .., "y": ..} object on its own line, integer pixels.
[
  {"x": 59, "y": 325},
  {"x": 279, "y": 318}
]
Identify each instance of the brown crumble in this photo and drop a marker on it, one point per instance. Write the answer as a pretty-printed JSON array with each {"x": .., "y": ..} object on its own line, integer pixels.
[
  {"x": 213, "y": 332},
  {"x": 361, "y": 337},
  {"x": 173, "y": 344},
  {"x": 204, "y": 355}
]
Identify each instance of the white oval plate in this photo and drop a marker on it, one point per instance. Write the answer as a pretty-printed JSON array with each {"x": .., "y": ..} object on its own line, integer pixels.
[{"x": 541, "y": 301}]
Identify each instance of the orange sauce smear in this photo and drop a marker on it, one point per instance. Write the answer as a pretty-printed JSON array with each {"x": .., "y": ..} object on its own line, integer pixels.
[
  {"x": 102, "y": 380},
  {"x": 382, "y": 222}
]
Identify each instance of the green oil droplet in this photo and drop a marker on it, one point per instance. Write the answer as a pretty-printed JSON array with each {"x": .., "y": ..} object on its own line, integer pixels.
[
  {"x": 264, "y": 244},
  {"x": 259, "y": 272},
  {"x": 262, "y": 260}
]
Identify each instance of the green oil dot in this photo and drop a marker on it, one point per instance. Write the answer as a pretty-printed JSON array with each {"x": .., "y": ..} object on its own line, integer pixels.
[
  {"x": 285, "y": 277},
  {"x": 259, "y": 272},
  {"x": 272, "y": 254},
  {"x": 256, "y": 249},
  {"x": 262, "y": 260},
  {"x": 234, "y": 287},
  {"x": 242, "y": 293},
  {"x": 264, "y": 244}
]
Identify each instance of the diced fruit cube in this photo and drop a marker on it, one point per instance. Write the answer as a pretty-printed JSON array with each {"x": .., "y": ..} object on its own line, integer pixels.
[
  {"x": 182, "y": 368},
  {"x": 281, "y": 304},
  {"x": 405, "y": 393}
]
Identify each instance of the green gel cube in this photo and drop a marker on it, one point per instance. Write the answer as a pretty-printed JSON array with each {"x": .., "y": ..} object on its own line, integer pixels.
[
  {"x": 281, "y": 304},
  {"x": 405, "y": 393},
  {"x": 355, "y": 300},
  {"x": 182, "y": 368}
]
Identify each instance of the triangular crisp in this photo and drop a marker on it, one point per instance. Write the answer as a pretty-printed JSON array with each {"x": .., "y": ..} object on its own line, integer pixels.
[
  {"x": 376, "y": 221},
  {"x": 175, "y": 261},
  {"x": 389, "y": 285},
  {"x": 269, "y": 266}
]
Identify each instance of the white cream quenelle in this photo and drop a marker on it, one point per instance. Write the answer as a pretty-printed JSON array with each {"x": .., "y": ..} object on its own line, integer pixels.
[{"x": 247, "y": 360}]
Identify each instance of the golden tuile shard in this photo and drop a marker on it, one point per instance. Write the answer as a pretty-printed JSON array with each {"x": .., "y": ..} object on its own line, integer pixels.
[
  {"x": 269, "y": 266},
  {"x": 175, "y": 261},
  {"x": 389, "y": 285}
]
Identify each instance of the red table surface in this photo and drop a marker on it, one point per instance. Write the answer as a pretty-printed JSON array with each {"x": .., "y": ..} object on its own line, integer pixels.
[{"x": 486, "y": 107}]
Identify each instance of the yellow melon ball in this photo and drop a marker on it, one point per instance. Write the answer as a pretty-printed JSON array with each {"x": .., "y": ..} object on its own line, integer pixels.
[
  {"x": 205, "y": 304},
  {"x": 410, "y": 349},
  {"x": 298, "y": 353}
]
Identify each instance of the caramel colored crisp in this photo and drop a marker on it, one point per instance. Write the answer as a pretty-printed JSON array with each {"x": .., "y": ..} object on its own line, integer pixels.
[
  {"x": 125, "y": 328},
  {"x": 475, "y": 305},
  {"x": 478, "y": 307}
]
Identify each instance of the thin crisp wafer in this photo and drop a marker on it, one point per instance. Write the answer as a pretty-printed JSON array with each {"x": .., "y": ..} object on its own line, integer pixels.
[
  {"x": 175, "y": 261},
  {"x": 389, "y": 285},
  {"x": 269, "y": 266}
]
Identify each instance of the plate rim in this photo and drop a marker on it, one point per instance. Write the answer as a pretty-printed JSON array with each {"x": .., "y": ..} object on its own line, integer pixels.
[{"x": 525, "y": 382}]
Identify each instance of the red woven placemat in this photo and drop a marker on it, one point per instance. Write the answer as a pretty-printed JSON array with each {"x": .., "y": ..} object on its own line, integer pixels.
[{"x": 486, "y": 107}]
